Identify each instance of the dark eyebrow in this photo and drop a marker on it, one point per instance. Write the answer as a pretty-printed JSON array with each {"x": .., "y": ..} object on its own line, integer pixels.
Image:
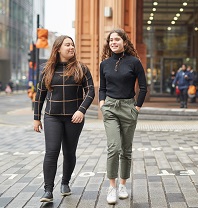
[{"x": 115, "y": 38}]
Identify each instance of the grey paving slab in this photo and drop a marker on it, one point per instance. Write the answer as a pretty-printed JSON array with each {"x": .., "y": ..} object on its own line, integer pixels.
[
  {"x": 4, "y": 201},
  {"x": 178, "y": 205}
]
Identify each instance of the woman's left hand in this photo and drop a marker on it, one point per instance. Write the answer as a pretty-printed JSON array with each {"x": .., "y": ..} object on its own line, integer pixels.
[{"x": 77, "y": 117}]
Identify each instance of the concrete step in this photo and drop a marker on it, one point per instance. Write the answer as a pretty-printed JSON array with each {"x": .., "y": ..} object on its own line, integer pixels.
[
  {"x": 167, "y": 117},
  {"x": 153, "y": 113}
]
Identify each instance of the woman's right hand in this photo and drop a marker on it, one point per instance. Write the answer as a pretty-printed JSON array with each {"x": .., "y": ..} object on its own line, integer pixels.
[{"x": 37, "y": 126}]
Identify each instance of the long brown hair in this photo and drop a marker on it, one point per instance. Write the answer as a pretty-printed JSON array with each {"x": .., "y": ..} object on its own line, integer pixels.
[
  {"x": 74, "y": 67},
  {"x": 128, "y": 48}
]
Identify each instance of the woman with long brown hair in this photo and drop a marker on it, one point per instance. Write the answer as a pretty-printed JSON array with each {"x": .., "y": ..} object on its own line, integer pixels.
[
  {"x": 119, "y": 70},
  {"x": 68, "y": 88}
]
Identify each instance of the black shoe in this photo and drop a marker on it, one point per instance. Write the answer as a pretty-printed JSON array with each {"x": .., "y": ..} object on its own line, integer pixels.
[
  {"x": 47, "y": 197},
  {"x": 65, "y": 190}
]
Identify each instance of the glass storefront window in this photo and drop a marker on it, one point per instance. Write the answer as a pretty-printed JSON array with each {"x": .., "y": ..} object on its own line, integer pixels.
[{"x": 169, "y": 43}]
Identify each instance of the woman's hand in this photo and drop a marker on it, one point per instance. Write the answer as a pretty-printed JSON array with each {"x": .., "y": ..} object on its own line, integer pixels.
[
  {"x": 102, "y": 103},
  {"x": 37, "y": 126},
  {"x": 137, "y": 108},
  {"x": 77, "y": 117}
]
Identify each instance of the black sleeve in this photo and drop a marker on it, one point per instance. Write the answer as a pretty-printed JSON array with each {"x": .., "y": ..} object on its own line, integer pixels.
[
  {"x": 142, "y": 83},
  {"x": 102, "y": 88},
  {"x": 88, "y": 87},
  {"x": 40, "y": 98}
]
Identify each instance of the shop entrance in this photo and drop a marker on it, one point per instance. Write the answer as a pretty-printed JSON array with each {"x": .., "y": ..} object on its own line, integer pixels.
[
  {"x": 171, "y": 38},
  {"x": 160, "y": 75},
  {"x": 168, "y": 66}
]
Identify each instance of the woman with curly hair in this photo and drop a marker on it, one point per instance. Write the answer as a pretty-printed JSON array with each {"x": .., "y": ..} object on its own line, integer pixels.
[
  {"x": 67, "y": 86},
  {"x": 119, "y": 70}
]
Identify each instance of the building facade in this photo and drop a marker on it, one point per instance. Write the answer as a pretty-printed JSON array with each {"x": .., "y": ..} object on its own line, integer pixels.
[
  {"x": 16, "y": 21},
  {"x": 17, "y": 31},
  {"x": 162, "y": 45}
]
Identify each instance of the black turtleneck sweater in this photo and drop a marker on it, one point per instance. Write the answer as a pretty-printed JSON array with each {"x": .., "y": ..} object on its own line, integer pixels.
[
  {"x": 119, "y": 83},
  {"x": 66, "y": 96}
]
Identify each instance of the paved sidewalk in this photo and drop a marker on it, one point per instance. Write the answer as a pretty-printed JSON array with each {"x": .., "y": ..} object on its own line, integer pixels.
[
  {"x": 164, "y": 166},
  {"x": 164, "y": 170}
]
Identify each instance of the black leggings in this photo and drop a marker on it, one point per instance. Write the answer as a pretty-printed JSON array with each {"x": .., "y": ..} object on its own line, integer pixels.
[{"x": 60, "y": 130}]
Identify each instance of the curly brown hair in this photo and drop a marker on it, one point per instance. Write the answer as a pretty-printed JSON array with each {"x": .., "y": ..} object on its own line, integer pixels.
[
  {"x": 128, "y": 48},
  {"x": 73, "y": 68}
]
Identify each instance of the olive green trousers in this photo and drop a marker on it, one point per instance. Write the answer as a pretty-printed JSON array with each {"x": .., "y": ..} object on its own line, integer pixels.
[{"x": 120, "y": 119}]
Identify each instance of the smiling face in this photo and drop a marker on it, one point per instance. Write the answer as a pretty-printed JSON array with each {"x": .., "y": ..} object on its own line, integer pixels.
[
  {"x": 116, "y": 43},
  {"x": 67, "y": 50}
]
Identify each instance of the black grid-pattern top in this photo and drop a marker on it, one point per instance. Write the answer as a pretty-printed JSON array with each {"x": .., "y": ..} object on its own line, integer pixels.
[{"x": 66, "y": 96}]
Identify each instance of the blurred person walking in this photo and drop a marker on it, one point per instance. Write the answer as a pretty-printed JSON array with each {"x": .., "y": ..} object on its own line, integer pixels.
[
  {"x": 11, "y": 85},
  {"x": 177, "y": 91},
  {"x": 31, "y": 93},
  {"x": 193, "y": 82},
  {"x": 119, "y": 70},
  {"x": 182, "y": 80},
  {"x": 68, "y": 87},
  {"x": 1, "y": 86}
]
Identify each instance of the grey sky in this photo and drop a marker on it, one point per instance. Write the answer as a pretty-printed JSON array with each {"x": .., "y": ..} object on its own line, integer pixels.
[{"x": 59, "y": 15}]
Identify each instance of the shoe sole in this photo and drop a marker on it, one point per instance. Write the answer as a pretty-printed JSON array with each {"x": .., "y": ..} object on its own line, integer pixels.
[
  {"x": 121, "y": 197},
  {"x": 46, "y": 200},
  {"x": 113, "y": 202},
  {"x": 66, "y": 194}
]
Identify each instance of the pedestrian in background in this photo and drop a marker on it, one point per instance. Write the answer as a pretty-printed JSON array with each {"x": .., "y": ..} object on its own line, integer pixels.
[
  {"x": 119, "y": 70},
  {"x": 182, "y": 79},
  {"x": 11, "y": 85},
  {"x": 8, "y": 89},
  {"x": 1, "y": 87},
  {"x": 194, "y": 83},
  {"x": 31, "y": 92},
  {"x": 177, "y": 91},
  {"x": 67, "y": 85}
]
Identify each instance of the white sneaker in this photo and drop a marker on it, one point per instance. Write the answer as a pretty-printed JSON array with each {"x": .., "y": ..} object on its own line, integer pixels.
[
  {"x": 111, "y": 195},
  {"x": 122, "y": 192}
]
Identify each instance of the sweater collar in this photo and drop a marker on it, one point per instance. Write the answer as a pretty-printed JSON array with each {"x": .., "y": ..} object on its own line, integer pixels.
[
  {"x": 117, "y": 55},
  {"x": 62, "y": 63}
]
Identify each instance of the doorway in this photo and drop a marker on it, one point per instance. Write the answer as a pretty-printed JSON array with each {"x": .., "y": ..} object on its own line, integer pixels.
[{"x": 169, "y": 65}]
